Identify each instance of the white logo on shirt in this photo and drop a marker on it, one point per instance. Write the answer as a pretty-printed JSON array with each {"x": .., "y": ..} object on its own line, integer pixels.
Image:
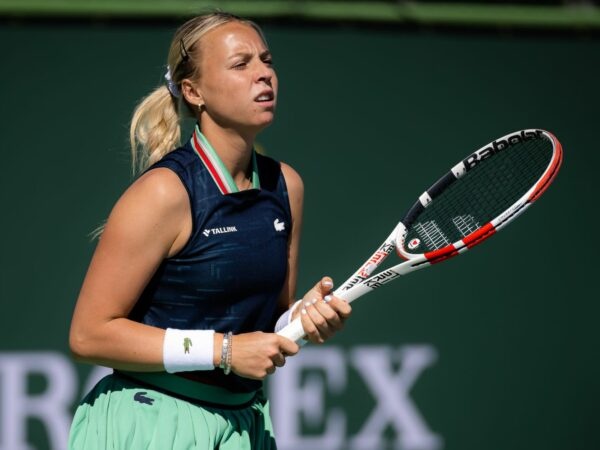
[
  {"x": 220, "y": 230},
  {"x": 279, "y": 226}
]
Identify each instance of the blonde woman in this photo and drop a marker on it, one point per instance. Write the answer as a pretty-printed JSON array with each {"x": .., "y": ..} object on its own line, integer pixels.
[{"x": 196, "y": 266}]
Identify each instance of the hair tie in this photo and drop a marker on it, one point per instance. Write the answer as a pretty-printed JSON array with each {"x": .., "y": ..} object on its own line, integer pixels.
[{"x": 171, "y": 86}]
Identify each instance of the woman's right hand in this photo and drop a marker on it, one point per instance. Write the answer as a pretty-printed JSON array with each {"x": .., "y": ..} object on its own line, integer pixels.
[{"x": 256, "y": 355}]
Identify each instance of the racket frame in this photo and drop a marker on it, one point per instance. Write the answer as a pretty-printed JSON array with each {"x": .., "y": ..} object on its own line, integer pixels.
[{"x": 362, "y": 281}]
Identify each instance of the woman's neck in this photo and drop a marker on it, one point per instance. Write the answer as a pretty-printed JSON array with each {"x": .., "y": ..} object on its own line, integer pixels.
[{"x": 234, "y": 149}]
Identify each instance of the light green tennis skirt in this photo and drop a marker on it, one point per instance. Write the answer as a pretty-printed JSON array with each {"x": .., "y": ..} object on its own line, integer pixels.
[{"x": 122, "y": 413}]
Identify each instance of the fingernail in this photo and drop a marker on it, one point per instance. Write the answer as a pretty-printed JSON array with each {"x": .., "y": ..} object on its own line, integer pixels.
[
  {"x": 327, "y": 298},
  {"x": 304, "y": 311},
  {"x": 328, "y": 284},
  {"x": 307, "y": 304},
  {"x": 314, "y": 300}
]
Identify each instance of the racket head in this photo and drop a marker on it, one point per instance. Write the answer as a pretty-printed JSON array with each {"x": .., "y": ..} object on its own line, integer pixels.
[{"x": 480, "y": 195}]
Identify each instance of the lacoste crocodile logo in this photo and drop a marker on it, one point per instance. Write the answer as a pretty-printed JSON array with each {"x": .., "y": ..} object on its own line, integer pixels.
[
  {"x": 279, "y": 226},
  {"x": 141, "y": 398},
  {"x": 187, "y": 343}
]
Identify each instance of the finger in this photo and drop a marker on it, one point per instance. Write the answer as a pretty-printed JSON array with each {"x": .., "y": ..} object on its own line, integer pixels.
[
  {"x": 326, "y": 285},
  {"x": 312, "y": 333},
  {"x": 288, "y": 347},
  {"x": 279, "y": 360},
  {"x": 320, "y": 321},
  {"x": 334, "y": 320},
  {"x": 341, "y": 307},
  {"x": 321, "y": 289}
]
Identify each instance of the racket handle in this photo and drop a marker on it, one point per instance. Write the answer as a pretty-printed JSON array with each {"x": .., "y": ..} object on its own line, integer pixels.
[{"x": 294, "y": 330}]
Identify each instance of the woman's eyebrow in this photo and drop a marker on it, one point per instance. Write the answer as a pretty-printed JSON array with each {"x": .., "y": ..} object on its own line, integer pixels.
[
  {"x": 239, "y": 54},
  {"x": 245, "y": 54}
]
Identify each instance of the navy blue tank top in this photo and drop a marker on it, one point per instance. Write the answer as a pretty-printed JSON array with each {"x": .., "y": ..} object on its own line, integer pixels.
[{"x": 229, "y": 275}]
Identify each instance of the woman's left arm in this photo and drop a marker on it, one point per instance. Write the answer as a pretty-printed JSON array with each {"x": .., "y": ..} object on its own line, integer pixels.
[
  {"x": 295, "y": 188},
  {"x": 322, "y": 313}
]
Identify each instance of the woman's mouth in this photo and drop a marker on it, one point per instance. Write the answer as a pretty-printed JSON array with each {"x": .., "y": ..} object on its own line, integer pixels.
[{"x": 265, "y": 97}]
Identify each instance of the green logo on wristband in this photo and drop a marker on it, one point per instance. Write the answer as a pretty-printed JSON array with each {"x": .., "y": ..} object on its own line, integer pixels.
[{"x": 187, "y": 343}]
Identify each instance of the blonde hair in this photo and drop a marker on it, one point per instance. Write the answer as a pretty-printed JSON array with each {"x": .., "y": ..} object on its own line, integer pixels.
[{"x": 155, "y": 125}]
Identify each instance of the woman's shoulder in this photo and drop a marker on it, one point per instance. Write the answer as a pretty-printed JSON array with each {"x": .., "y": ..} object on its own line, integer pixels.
[
  {"x": 293, "y": 180},
  {"x": 180, "y": 166},
  {"x": 162, "y": 187}
]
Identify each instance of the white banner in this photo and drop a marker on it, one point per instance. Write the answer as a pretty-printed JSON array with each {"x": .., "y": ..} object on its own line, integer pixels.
[{"x": 300, "y": 396}]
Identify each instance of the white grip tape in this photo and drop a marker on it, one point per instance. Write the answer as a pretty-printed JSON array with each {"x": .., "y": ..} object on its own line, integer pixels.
[
  {"x": 188, "y": 350},
  {"x": 295, "y": 332},
  {"x": 286, "y": 317}
]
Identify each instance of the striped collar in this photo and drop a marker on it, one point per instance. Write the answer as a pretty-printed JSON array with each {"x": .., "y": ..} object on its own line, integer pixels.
[{"x": 215, "y": 166}]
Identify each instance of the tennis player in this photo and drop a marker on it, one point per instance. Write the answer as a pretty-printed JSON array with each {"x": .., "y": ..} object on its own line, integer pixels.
[{"x": 197, "y": 263}]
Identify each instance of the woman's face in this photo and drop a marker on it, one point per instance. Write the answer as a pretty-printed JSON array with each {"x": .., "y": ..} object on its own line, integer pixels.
[{"x": 237, "y": 82}]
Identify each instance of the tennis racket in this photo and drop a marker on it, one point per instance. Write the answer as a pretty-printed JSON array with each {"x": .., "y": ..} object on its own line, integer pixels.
[{"x": 478, "y": 197}]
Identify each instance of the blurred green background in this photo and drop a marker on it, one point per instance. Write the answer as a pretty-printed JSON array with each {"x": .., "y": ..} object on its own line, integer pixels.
[{"x": 502, "y": 343}]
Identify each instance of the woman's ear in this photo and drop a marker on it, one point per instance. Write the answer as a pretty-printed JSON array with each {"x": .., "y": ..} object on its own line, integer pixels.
[{"x": 192, "y": 93}]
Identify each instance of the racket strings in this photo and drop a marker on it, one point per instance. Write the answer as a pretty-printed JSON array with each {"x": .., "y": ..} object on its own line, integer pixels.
[
  {"x": 481, "y": 195},
  {"x": 432, "y": 235}
]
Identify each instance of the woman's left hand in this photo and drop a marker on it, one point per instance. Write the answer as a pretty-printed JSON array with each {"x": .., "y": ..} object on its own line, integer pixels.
[{"x": 322, "y": 313}]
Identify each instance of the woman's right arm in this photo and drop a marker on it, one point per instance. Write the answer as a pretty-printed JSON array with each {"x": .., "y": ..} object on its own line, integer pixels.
[{"x": 149, "y": 223}]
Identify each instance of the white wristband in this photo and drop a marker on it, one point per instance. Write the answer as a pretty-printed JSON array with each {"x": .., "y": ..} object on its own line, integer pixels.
[
  {"x": 188, "y": 350},
  {"x": 285, "y": 319}
]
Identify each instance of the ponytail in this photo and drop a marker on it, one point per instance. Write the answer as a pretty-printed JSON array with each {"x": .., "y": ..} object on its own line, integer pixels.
[{"x": 154, "y": 130}]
